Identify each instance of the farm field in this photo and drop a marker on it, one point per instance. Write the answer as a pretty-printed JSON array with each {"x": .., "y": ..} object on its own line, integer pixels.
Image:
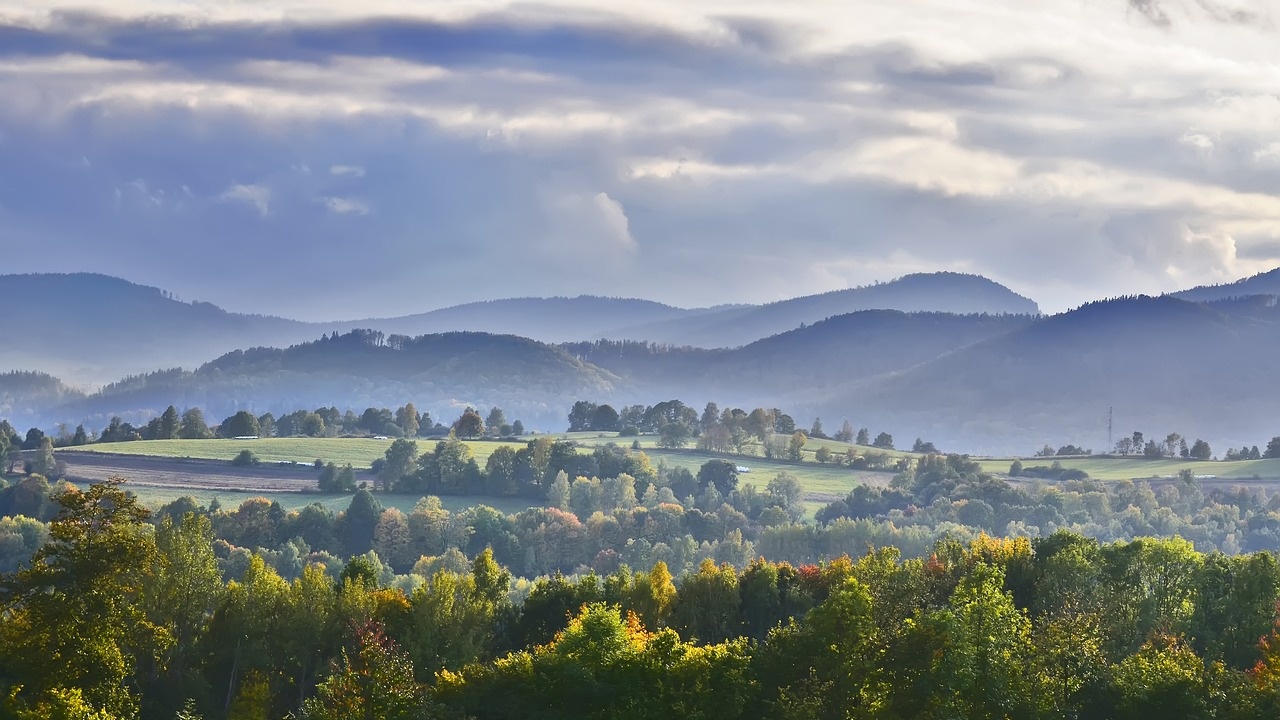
[
  {"x": 171, "y": 468},
  {"x": 156, "y": 497},
  {"x": 359, "y": 452},
  {"x": 1131, "y": 468}
]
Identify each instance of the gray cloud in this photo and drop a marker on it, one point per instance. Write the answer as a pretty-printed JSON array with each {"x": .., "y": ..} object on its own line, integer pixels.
[{"x": 289, "y": 167}]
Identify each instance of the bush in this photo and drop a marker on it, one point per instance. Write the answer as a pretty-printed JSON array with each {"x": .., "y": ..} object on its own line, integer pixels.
[
  {"x": 246, "y": 458},
  {"x": 629, "y": 431}
]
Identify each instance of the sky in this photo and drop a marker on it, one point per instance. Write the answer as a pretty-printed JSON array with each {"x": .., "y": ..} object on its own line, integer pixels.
[{"x": 320, "y": 159}]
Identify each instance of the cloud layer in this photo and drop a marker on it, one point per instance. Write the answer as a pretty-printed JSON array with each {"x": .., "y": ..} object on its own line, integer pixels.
[{"x": 324, "y": 160}]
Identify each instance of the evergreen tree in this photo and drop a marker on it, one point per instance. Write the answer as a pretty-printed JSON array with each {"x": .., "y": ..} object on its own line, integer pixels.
[{"x": 170, "y": 424}]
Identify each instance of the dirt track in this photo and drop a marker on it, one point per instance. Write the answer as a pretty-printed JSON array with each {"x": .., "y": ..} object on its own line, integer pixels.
[{"x": 183, "y": 473}]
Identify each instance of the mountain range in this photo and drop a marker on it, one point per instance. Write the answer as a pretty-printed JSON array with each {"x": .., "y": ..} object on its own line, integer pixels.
[
  {"x": 956, "y": 359},
  {"x": 93, "y": 329}
]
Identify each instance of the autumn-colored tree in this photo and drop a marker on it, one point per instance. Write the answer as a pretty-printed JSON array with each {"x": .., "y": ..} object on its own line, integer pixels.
[{"x": 76, "y": 620}]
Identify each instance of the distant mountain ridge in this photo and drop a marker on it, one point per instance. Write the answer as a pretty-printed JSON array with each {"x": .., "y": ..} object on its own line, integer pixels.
[
  {"x": 943, "y": 292},
  {"x": 92, "y": 329},
  {"x": 1266, "y": 283},
  {"x": 361, "y": 369},
  {"x": 1160, "y": 364},
  {"x": 977, "y": 383},
  {"x": 553, "y": 319},
  {"x": 984, "y": 381}
]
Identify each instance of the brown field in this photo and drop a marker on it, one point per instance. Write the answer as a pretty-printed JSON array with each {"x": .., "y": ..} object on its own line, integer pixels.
[{"x": 178, "y": 473}]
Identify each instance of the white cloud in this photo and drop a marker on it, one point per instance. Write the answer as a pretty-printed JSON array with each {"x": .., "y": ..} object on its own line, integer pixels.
[
  {"x": 1268, "y": 154},
  {"x": 346, "y": 171},
  {"x": 588, "y": 227},
  {"x": 1201, "y": 142},
  {"x": 344, "y": 206},
  {"x": 259, "y": 196}
]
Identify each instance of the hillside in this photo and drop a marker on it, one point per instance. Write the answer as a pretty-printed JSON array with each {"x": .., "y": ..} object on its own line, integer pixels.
[
  {"x": 942, "y": 292},
  {"x": 25, "y": 396},
  {"x": 1163, "y": 364},
  {"x": 557, "y": 319},
  {"x": 440, "y": 373},
  {"x": 792, "y": 368},
  {"x": 92, "y": 329},
  {"x": 1267, "y": 283}
]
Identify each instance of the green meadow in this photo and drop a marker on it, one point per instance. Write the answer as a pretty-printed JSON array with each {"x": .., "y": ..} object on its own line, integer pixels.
[
  {"x": 358, "y": 452},
  {"x": 1134, "y": 468},
  {"x": 827, "y": 480},
  {"x": 154, "y": 498}
]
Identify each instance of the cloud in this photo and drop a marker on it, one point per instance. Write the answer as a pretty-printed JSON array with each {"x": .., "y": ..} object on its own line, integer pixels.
[
  {"x": 344, "y": 206},
  {"x": 1268, "y": 154},
  {"x": 499, "y": 148},
  {"x": 588, "y": 227},
  {"x": 256, "y": 195}
]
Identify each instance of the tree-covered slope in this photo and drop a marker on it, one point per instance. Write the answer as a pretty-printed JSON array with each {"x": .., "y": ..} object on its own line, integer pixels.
[
  {"x": 927, "y": 292},
  {"x": 94, "y": 328},
  {"x": 1162, "y": 363},
  {"x": 364, "y": 368}
]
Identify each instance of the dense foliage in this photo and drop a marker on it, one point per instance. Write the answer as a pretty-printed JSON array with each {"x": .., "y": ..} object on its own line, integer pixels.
[{"x": 121, "y": 616}]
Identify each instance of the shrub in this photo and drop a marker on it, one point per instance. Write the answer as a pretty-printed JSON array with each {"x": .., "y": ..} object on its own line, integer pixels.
[{"x": 245, "y": 458}]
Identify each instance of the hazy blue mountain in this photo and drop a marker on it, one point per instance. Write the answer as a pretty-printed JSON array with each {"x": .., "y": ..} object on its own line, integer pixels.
[
  {"x": 944, "y": 292},
  {"x": 1267, "y": 283},
  {"x": 557, "y": 319},
  {"x": 90, "y": 328},
  {"x": 808, "y": 361},
  {"x": 26, "y": 396},
  {"x": 93, "y": 329},
  {"x": 1164, "y": 365},
  {"x": 439, "y": 373}
]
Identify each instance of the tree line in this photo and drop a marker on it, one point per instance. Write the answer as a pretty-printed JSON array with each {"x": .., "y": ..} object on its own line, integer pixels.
[
  {"x": 723, "y": 431},
  {"x": 126, "y": 615},
  {"x": 191, "y": 424}
]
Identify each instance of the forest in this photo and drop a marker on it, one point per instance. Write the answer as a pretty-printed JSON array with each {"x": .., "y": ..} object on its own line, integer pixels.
[
  {"x": 644, "y": 590},
  {"x": 121, "y": 614}
]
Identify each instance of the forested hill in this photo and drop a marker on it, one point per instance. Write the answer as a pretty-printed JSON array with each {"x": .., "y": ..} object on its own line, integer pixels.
[
  {"x": 365, "y": 368},
  {"x": 94, "y": 328},
  {"x": 1206, "y": 369},
  {"x": 1267, "y": 283},
  {"x": 557, "y": 319},
  {"x": 849, "y": 349},
  {"x": 925, "y": 292},
  {"x": 28, "y": 395}
]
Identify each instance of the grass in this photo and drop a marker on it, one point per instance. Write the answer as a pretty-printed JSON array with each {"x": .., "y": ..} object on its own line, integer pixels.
[
  {"x": 1132, "y": 468},
  {"x": 828, "y": 480},
  {"x": 359, "y": 452},
  {"x": 155, "y": 498}
]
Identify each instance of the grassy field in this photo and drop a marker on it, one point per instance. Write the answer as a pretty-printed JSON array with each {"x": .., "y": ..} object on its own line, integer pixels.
[
  {"x": 156, "y": 497},
  {"x": 817, "y": 478},
  {"x": 359, "y": 452},
  {"x": 1122, "y": 468}
]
